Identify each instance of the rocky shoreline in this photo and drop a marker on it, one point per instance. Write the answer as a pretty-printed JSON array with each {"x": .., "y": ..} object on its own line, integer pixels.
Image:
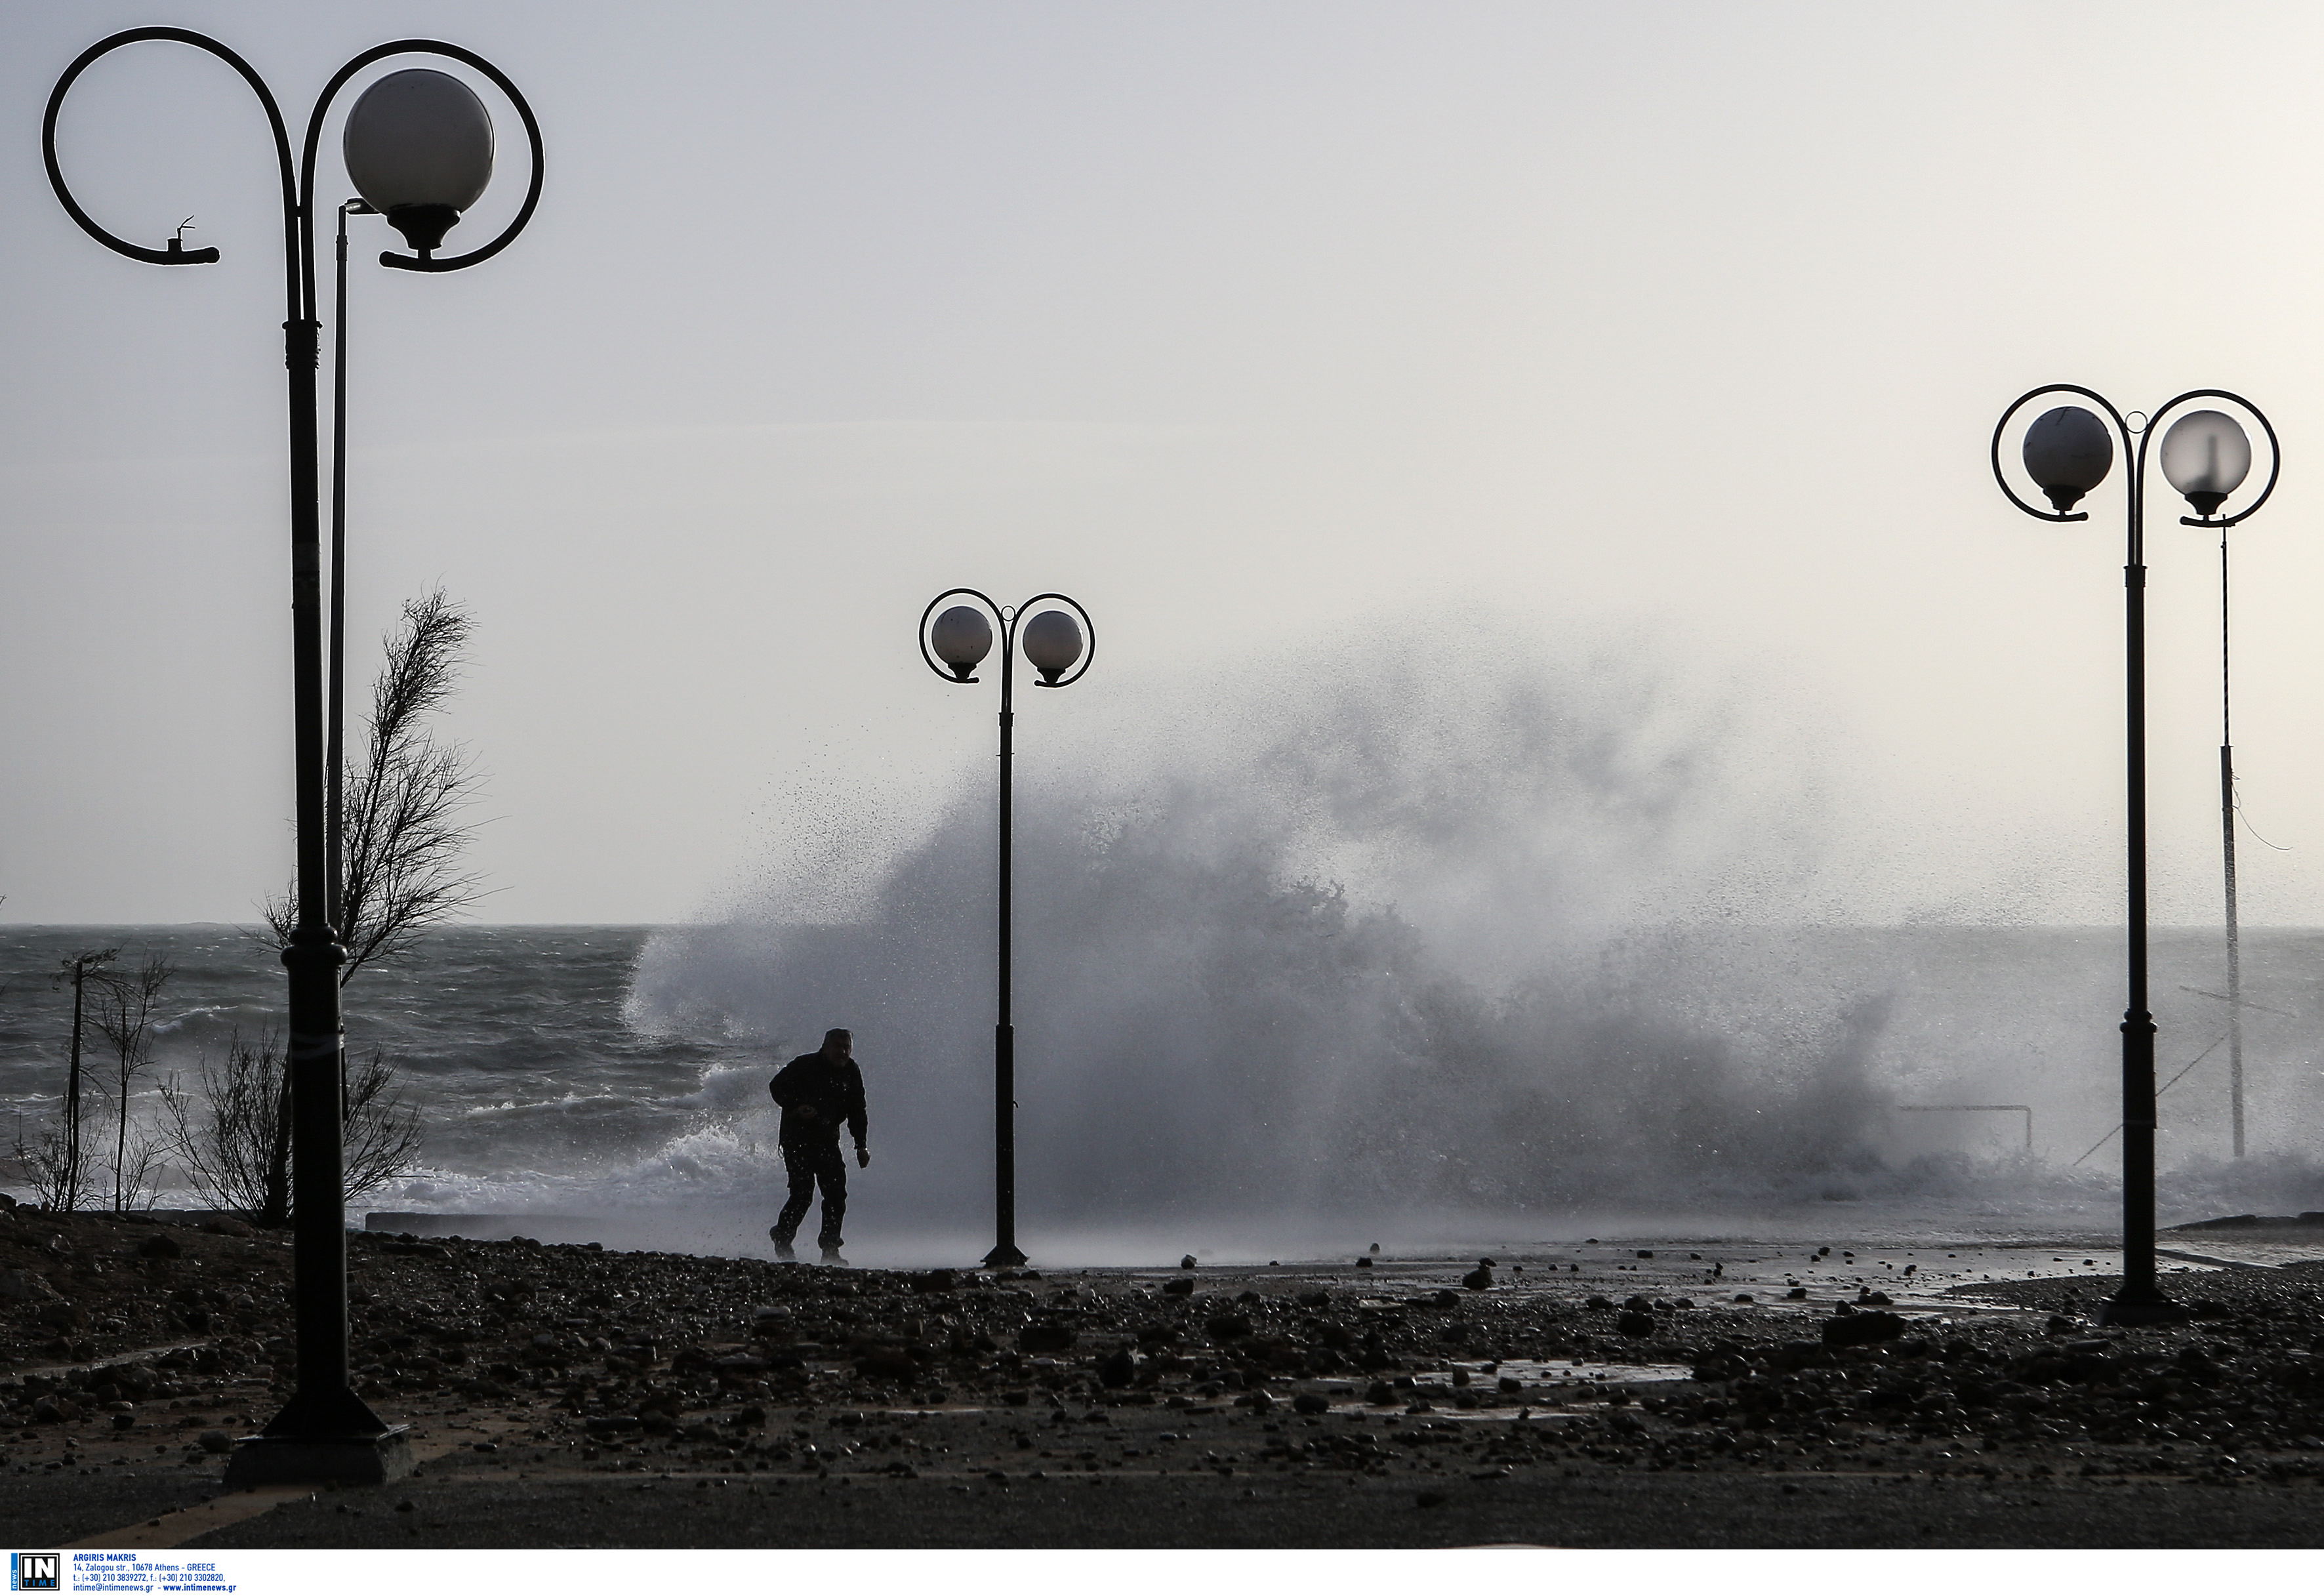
[{"x": 141, "y": 1350}]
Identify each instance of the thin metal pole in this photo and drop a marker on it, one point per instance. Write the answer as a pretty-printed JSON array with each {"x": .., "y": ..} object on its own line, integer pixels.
[
  {"x": 2227, "y": 847},
  {"x": 336, "y": 755},
  {"x": 2139, "y": 1291},
  {"x": 1005, "y": 1253},
  {"x": 70, "y": 1192},
  {"x": 324, "y": 1406}
]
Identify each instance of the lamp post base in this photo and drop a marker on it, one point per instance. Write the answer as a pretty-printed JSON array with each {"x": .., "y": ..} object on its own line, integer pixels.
[
  {"x": 1004, "y": 1256},
  {"x": 337, "y": 1460},
  {"x": 2148, "y": 1309}
]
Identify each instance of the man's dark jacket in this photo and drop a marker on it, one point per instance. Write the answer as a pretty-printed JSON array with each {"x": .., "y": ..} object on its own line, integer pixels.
[{"x": 833, "y": 1088}]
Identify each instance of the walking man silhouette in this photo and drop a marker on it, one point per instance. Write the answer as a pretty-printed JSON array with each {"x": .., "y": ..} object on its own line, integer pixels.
[{"x": 818, "y": 1092}]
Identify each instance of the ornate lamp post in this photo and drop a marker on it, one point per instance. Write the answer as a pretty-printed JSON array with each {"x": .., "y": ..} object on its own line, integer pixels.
[
  {"x": 419, "y": 155},
  {"x": 1053, "y": 646},
  {"x": 2068, "y": 451}
]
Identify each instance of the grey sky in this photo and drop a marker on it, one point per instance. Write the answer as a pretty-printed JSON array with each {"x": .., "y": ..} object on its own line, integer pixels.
[{"x": 1678, "y": 328}]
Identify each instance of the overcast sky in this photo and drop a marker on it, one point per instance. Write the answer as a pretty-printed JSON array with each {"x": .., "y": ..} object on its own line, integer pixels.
[{"x": 1681, "y": 328}]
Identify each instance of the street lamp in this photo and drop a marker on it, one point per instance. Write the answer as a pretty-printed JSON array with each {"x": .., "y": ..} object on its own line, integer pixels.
[
  {"x": 418, "y": 146},
  {"x": 2068, "y": 451},
  {"x": 1054, "y": 643},
  {"x": 325, "y": 1432}
]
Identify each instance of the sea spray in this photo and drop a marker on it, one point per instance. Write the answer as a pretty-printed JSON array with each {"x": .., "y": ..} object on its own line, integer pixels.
[{"x": 1358, "y": 944}]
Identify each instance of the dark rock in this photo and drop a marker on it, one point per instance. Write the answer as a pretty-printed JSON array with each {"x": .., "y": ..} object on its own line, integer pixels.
[
  {"x": 895, "y": 1363},
  {"x": 1314, "y": 1299},
  {"x": 225, "y": 1225},
  {"x": 1187, "y": 1262},
  {"x": 1479, "y": 1278},
  {"x": 934, "y": 1280},
  {"x": 1798, "y": 1294},
  {"x": 217, "y": 1441},
  {"x": 1046, "y": 1336},
  {"x": 1856, "y": 1330},
  {"x": 1379, "y": 1394},
  {"x": 1645, "y": 1252},
  {"x": 1224, "y": 1327},
  {"x": 23, "y": 1286},
  {"x": 160, "y": 1245},
  {"x": 1118, "y": 1370},
  {"x": 1180, "y": 1288},
  {"x": 55, "y": 1410},
  {"x": 1633, "y": 1323},
  {"x": 1363, "y": 1263},
  {"x": 1311, "y": 1402},
  {"x": 1509, "y": 1386},
  {"x": 1599, "y": 1302},
  {"x": 1430, "y": 1499}
]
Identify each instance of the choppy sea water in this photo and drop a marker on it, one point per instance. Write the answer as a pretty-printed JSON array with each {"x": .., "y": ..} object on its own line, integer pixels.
[{"x": 612, "y": 1081}]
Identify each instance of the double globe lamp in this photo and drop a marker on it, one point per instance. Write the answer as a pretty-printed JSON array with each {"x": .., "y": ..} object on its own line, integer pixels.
[
  {"x": 419, "y": 147},
  {"x": 2206, "y": 456}
]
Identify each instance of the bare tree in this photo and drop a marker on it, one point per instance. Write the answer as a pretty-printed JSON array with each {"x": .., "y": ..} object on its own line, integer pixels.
[
  {"x": 68, "y": 1167},
  {"x": 227, "y": 1135},
  {"x": 125, "y": 1000},
  {"x": 400, "y": 833},
  {"x": 53, "y": 1167},
  {"x": 399, "y": 843},
  {"x": 383, "y": 1129}
]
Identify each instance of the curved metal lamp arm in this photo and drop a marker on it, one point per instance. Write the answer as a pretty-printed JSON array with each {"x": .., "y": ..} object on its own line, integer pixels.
[
  {"x": 1007, "y": 633},
  {"x": 467, "y": 57},
  {"x": 176, "y": 255},
  {"x": 2023, "y": 399},
  {"x": 1089, "y": 631},
  {"x": 2274, "y": 454}
]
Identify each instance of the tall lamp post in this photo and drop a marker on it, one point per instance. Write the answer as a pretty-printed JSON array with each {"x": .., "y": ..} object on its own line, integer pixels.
[
  {"x": 959, "y": 638},
  {"x": 422, "y": 164},
  {"x": 2068, "y": 451}
]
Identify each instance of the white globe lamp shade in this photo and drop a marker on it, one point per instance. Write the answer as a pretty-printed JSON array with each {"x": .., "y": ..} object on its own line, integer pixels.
[
  {"x": 2068, "y": 452},
  {"x": 418, "y": 146},
  {"x": 1052, "y": 642},
  {"x": 2206, "y": 456},
  {"x": 960, "y": 637}
]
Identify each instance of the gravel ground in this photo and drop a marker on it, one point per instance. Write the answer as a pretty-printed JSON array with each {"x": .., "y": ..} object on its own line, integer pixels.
[{"x": 565, "y": 1396}]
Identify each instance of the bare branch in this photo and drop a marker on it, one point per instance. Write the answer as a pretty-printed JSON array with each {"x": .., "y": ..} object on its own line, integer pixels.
[
  {"x": 401, "y": 835},
  {"x": 228, "y": 1134},
  {"x": 124, "y": 1016}
]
